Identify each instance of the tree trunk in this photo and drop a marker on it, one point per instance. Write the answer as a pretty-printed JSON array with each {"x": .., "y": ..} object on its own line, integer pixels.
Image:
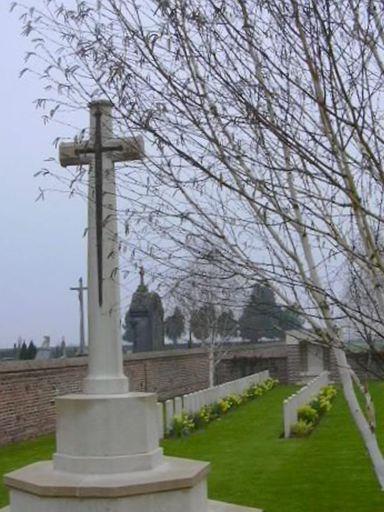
[
  {"x": 211, "y": 366},
  {"x": 368, "y": 436}
]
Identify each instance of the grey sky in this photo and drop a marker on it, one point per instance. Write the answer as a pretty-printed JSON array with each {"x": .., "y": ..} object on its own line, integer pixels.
[{"x": 42, "y": 250}]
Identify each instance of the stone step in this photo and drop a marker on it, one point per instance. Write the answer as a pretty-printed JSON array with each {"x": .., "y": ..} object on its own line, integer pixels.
[
  {"x": 213, "y": 506},
  {"x": 221, "y": 506}
]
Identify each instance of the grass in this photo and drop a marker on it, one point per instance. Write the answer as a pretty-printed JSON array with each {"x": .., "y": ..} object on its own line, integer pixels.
[
  {"x": 326, "y": 472},
  {"x": 17, "y": 455},
  {"x": 251, "y": 465}
]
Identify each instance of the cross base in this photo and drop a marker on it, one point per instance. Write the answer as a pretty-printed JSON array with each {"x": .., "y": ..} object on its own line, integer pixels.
[
  {"x": 212, "y": 506},
  {"x": 106, "y": 385},
  {"x": 107, "y": 433},
  {"x": 178, "y": 485},
  {"x": 115, "y": 466}
]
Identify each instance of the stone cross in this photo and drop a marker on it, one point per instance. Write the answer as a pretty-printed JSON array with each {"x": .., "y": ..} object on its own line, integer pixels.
[
  {"x": 142, "y": 274},
  {"x": 100, "y": 152},
  {"x": 80, "y": 289}
]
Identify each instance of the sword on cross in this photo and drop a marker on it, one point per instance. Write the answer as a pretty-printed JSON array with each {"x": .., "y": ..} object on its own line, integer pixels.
[{"x": 101, "y": 148}]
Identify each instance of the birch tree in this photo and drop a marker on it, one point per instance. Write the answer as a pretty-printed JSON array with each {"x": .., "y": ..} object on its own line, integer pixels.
[{"x": 265, "y": 123}]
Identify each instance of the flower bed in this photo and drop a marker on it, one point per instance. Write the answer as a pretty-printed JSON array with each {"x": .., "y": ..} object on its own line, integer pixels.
[
  {"x": 309, "y": 415},
  {"x": 185, "y": 423}
]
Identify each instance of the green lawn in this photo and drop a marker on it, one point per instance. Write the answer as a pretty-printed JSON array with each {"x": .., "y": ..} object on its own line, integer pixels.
[
  {"x": 251, "y": 465},
  {"x": 15, "y": 456}
]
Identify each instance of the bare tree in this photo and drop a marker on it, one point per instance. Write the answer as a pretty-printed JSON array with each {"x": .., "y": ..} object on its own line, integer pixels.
[
  {"x": 361, "y": 294},
  {"x": 265, "y": 121},
  {"x": 208, "y": 293}
]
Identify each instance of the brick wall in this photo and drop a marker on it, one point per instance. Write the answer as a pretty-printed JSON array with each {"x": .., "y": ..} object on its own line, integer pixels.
[
  {"x": 246, "y": 360},
  {"x": 28, "y": 388},
  {"x": 169, "y": 373},
  {"x": 27, "y": 394}
]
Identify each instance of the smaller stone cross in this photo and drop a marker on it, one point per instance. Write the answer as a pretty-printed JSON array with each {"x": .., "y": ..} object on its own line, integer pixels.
[
  {"x": 142, "y": 273},
  {"x": 80, "y": 289}
]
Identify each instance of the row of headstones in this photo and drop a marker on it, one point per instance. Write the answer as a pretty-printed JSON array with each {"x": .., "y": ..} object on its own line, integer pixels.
[
  {"x": 193, "y": 402},
  {"x": 303, "y": 397}
]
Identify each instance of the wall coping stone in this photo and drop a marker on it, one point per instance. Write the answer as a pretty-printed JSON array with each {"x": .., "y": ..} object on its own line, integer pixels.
[{"x": 39, "y": 365}]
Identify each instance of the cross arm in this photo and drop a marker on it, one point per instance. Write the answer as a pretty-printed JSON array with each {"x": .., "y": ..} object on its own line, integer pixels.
[
  {"x": 118, "y": 149},
  {"x": 74, "y": 153},
  {"x": 130, "y": 148}
]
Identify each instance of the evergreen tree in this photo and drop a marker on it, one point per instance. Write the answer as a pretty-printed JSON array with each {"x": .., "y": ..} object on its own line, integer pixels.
[
  {"x": 23, "y": 355},
  {"x": 226, "y": 324},
  {"x": 175, "y": 325},
  {"x": 289, "y": 319},
  {"x": 203, "y": 322},
  {"x": 128, "y": 334},
  {"x": 260, "y": 317},
  {"x": 31, "y": 350}
]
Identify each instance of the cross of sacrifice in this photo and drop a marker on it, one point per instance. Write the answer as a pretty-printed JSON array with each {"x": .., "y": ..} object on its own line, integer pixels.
[{"x": 101, "y": 152}]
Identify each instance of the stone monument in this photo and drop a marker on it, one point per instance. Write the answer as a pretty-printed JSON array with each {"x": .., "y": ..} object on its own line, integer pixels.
[
  {"x": 44, "y": 352},
  {"x": 146, "y": 319},
  {"x": 108, "y": 470},
  {"x": 80, "y": 290}
]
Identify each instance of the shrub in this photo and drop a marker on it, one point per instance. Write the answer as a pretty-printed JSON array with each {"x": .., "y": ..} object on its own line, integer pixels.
[
  {"x": 268, "y": 384},
  {"x": 325, "y": 404},
  {"x": 257, "y": 390},
  {"x": 325, "y": 398},
  {"x": 224, "y": 406},
  {"x": 302, "y": 428},
  {"x": 328, "y": 392},
  {"x": 182, "y": 425},
  {"x": 315, "y": 404},
  {"x": 248, "y": 393},
  {"x": 234, "y": 400},
  {"x": 205, "y": 414},
  {"x": 198, "y": 420},
  {"x": 215, "y": 411},
  {"x": 307, "y": 414}
]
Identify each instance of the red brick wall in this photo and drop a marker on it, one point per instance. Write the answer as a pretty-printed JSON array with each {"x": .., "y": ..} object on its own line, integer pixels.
[
  {"x": 28, "y": 388},
  {"x": 246, "y": 360},
  {"x": 169, "y": 373}
]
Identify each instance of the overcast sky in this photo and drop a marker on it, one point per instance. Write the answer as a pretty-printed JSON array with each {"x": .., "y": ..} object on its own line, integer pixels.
[{"x": 42, "y": 250}]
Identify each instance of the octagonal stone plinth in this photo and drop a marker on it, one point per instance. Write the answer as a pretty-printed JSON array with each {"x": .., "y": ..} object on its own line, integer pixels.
[{"x": 177, "y": 485}]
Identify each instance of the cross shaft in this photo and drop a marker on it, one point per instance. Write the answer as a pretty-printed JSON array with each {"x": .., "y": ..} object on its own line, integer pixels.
[{"x": 100, "y": 152}]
